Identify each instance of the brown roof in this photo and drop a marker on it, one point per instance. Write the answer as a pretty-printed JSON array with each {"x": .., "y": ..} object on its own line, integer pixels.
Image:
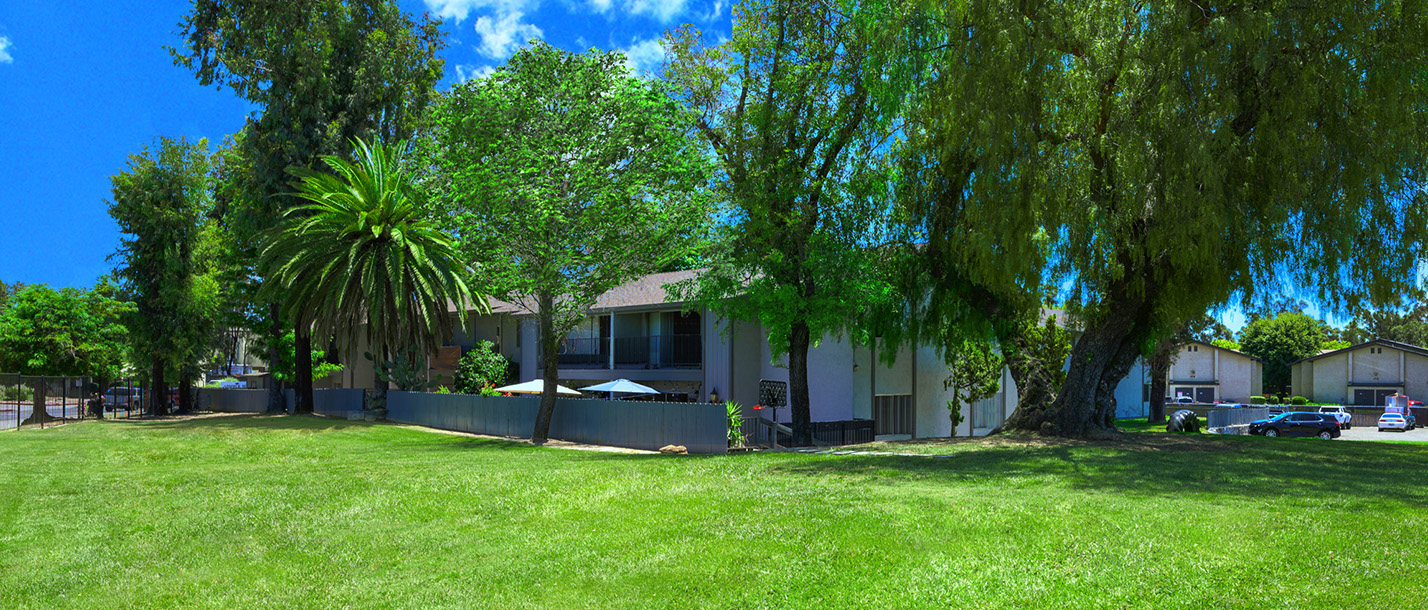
[
  {"x": 643, "y": 292},
  {"x": 647, "y": 291}
]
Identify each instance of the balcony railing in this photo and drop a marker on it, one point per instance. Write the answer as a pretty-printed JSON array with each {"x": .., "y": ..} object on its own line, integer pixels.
[
  {"x": 658, "y": 351},
  {"x": 585, "y": 353}
]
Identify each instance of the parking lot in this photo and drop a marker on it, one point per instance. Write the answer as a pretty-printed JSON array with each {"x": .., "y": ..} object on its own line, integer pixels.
[{"x": 1369, "y": 433}]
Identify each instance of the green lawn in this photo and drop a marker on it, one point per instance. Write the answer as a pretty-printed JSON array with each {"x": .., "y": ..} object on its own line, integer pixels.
[{"x": 287, "y": 512}]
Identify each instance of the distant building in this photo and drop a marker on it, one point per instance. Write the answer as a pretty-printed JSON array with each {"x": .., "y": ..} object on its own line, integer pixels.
[
  {"x": 1209, "y": 374},
  {"x": 1362, "y": 374}
]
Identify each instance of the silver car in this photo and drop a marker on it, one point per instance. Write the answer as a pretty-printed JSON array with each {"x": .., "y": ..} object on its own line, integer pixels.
[{"x": 117, "y": 397}]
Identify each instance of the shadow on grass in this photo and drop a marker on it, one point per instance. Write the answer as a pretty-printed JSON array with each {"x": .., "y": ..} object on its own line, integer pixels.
[
  {"x": 1169, "y": 465},
  {"x": 1153, "y": 464},
  {"x": 429, "y": 439}
]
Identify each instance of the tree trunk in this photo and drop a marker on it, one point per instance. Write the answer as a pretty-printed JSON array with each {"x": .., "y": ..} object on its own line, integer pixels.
[
  {"x": 275, "y": 389},
  {"x": 1159, "y": 370},
  {"x": 185, "y": 393},
  {"x": 379, "y": 393},
  {"x": 158, "y": 394},
  {"x": 800, "y": 411},
  {"x": 1100, "y": 359},
  {"x": 302, "y": 350},
  {"x": 550, "y": 362},
  {"x": 38, "y": 402}
]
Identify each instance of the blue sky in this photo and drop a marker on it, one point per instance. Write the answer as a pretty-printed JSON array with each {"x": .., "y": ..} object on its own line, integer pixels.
[{"x": 80, "y": 90}]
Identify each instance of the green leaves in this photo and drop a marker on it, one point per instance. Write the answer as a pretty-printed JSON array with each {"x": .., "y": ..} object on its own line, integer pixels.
[
  {"x": 361, "y": 252},
  {"x": 160, "y": 202},
  {"x": 44, "y": 331},
  {"x": 1281, "y": 341},
  {"x": 564, "y": 175}
]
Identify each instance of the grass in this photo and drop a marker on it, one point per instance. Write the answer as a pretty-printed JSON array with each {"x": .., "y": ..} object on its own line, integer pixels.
[{"x": 294, "y": 512}]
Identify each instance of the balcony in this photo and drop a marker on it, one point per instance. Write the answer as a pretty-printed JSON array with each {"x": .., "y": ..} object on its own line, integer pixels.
[
  {"x": 653, "y": 352},
  {"x": 659, "y": 352}
]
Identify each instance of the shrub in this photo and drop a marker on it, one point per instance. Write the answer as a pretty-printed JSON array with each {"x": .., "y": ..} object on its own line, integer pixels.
[
  {"x": 480, "y": 368},
  {"x": 1298, "y": 401},
  {"x": 735, "y": 414},
  {"x": 17, "y": 393},
  {"x": 1258, "y": 400}
]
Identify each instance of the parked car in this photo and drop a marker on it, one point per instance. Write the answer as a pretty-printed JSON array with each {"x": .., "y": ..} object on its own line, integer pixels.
[
  {"x": 1345, "y": 418},
  {"x": 1392, "y": 421},
  {"x": 1406, "y": 413},
  {"x": 117, "y": 397},
  {"x": 1184, "y": 400},
  {"x": 1297, "y": 423}
]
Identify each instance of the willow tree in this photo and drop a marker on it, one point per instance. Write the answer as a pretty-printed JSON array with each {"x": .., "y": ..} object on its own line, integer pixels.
[
  {"x": 566, "y": 176},
  {"x": 1159, "y": 160},
  {"x": 789, "y": 105},
  {"x": 321, "y": 74}
]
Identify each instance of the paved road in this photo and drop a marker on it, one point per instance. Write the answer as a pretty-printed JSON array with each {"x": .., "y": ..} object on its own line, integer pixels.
[
  {"x": 1370, "y": 433},
  {"x": 8, "y": 415}
]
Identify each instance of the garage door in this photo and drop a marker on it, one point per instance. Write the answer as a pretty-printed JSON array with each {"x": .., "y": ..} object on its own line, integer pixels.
[
  {"x": 1380, "y": 397},
  {"x": 1364, "y": 398},
  {"x": 1205, "y": 395}
]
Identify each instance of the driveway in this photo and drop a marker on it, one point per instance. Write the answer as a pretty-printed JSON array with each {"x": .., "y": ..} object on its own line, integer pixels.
[{"x": 1370, "y": 433}]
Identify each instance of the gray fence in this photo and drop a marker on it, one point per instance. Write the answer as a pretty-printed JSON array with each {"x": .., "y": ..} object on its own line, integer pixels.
[
  {"x": 233, "y": 400},
  {"x": 699, "y": 427},
  {"x": 1224, "y": 418}
]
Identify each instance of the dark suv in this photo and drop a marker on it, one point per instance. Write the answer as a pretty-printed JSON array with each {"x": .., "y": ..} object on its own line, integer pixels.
[{"x": 1297, "y": 423}]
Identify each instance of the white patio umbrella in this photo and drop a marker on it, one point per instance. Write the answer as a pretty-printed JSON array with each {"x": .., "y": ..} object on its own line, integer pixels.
[
  {"x": 536, "y": 386},
  {"x": 623, "y": 386}
]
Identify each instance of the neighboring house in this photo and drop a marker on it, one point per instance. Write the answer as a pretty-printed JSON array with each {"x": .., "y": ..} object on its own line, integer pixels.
[
  {"x": 1209, "y": 374},
  {"x": 636, "y": 332},
  {"x": 1362, "y": 374}
]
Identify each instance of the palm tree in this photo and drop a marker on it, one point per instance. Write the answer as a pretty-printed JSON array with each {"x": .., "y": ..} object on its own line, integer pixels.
[{"x": 360, "y": 252}]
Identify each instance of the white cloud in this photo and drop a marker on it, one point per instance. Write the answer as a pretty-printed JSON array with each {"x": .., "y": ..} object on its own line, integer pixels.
[
  {"x": 663, "y": 10},
  {"x": 645, "y": 55},
  {"x": 5, "y": 57},
  {"x": 460, "y": 9},
  {"x": 600, "y": 6},
  {"x": 501, "y": 36},
  {"x": 717, "y": 11},
  {"x": 467, "y": 72}
]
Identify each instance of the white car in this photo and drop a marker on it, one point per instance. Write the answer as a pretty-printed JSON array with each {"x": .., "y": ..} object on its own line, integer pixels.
[
  {"x": 1340, "y": 414},
  {"x": 1392, "y": 421}
]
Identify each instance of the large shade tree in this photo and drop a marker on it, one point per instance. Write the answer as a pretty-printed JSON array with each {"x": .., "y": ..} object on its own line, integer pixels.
[
  {"x": 790, "y": 107},
  {"x": 321, "y": 73},
  {"x": 159, "y": 202},
  {"x": 68, "y": 331},
  {"x": 566, "y": 176},
  {"x": 1281, "y": 341},
  {"x": 362, "y": 258},
  {"x": 1159, "y": 160}
]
